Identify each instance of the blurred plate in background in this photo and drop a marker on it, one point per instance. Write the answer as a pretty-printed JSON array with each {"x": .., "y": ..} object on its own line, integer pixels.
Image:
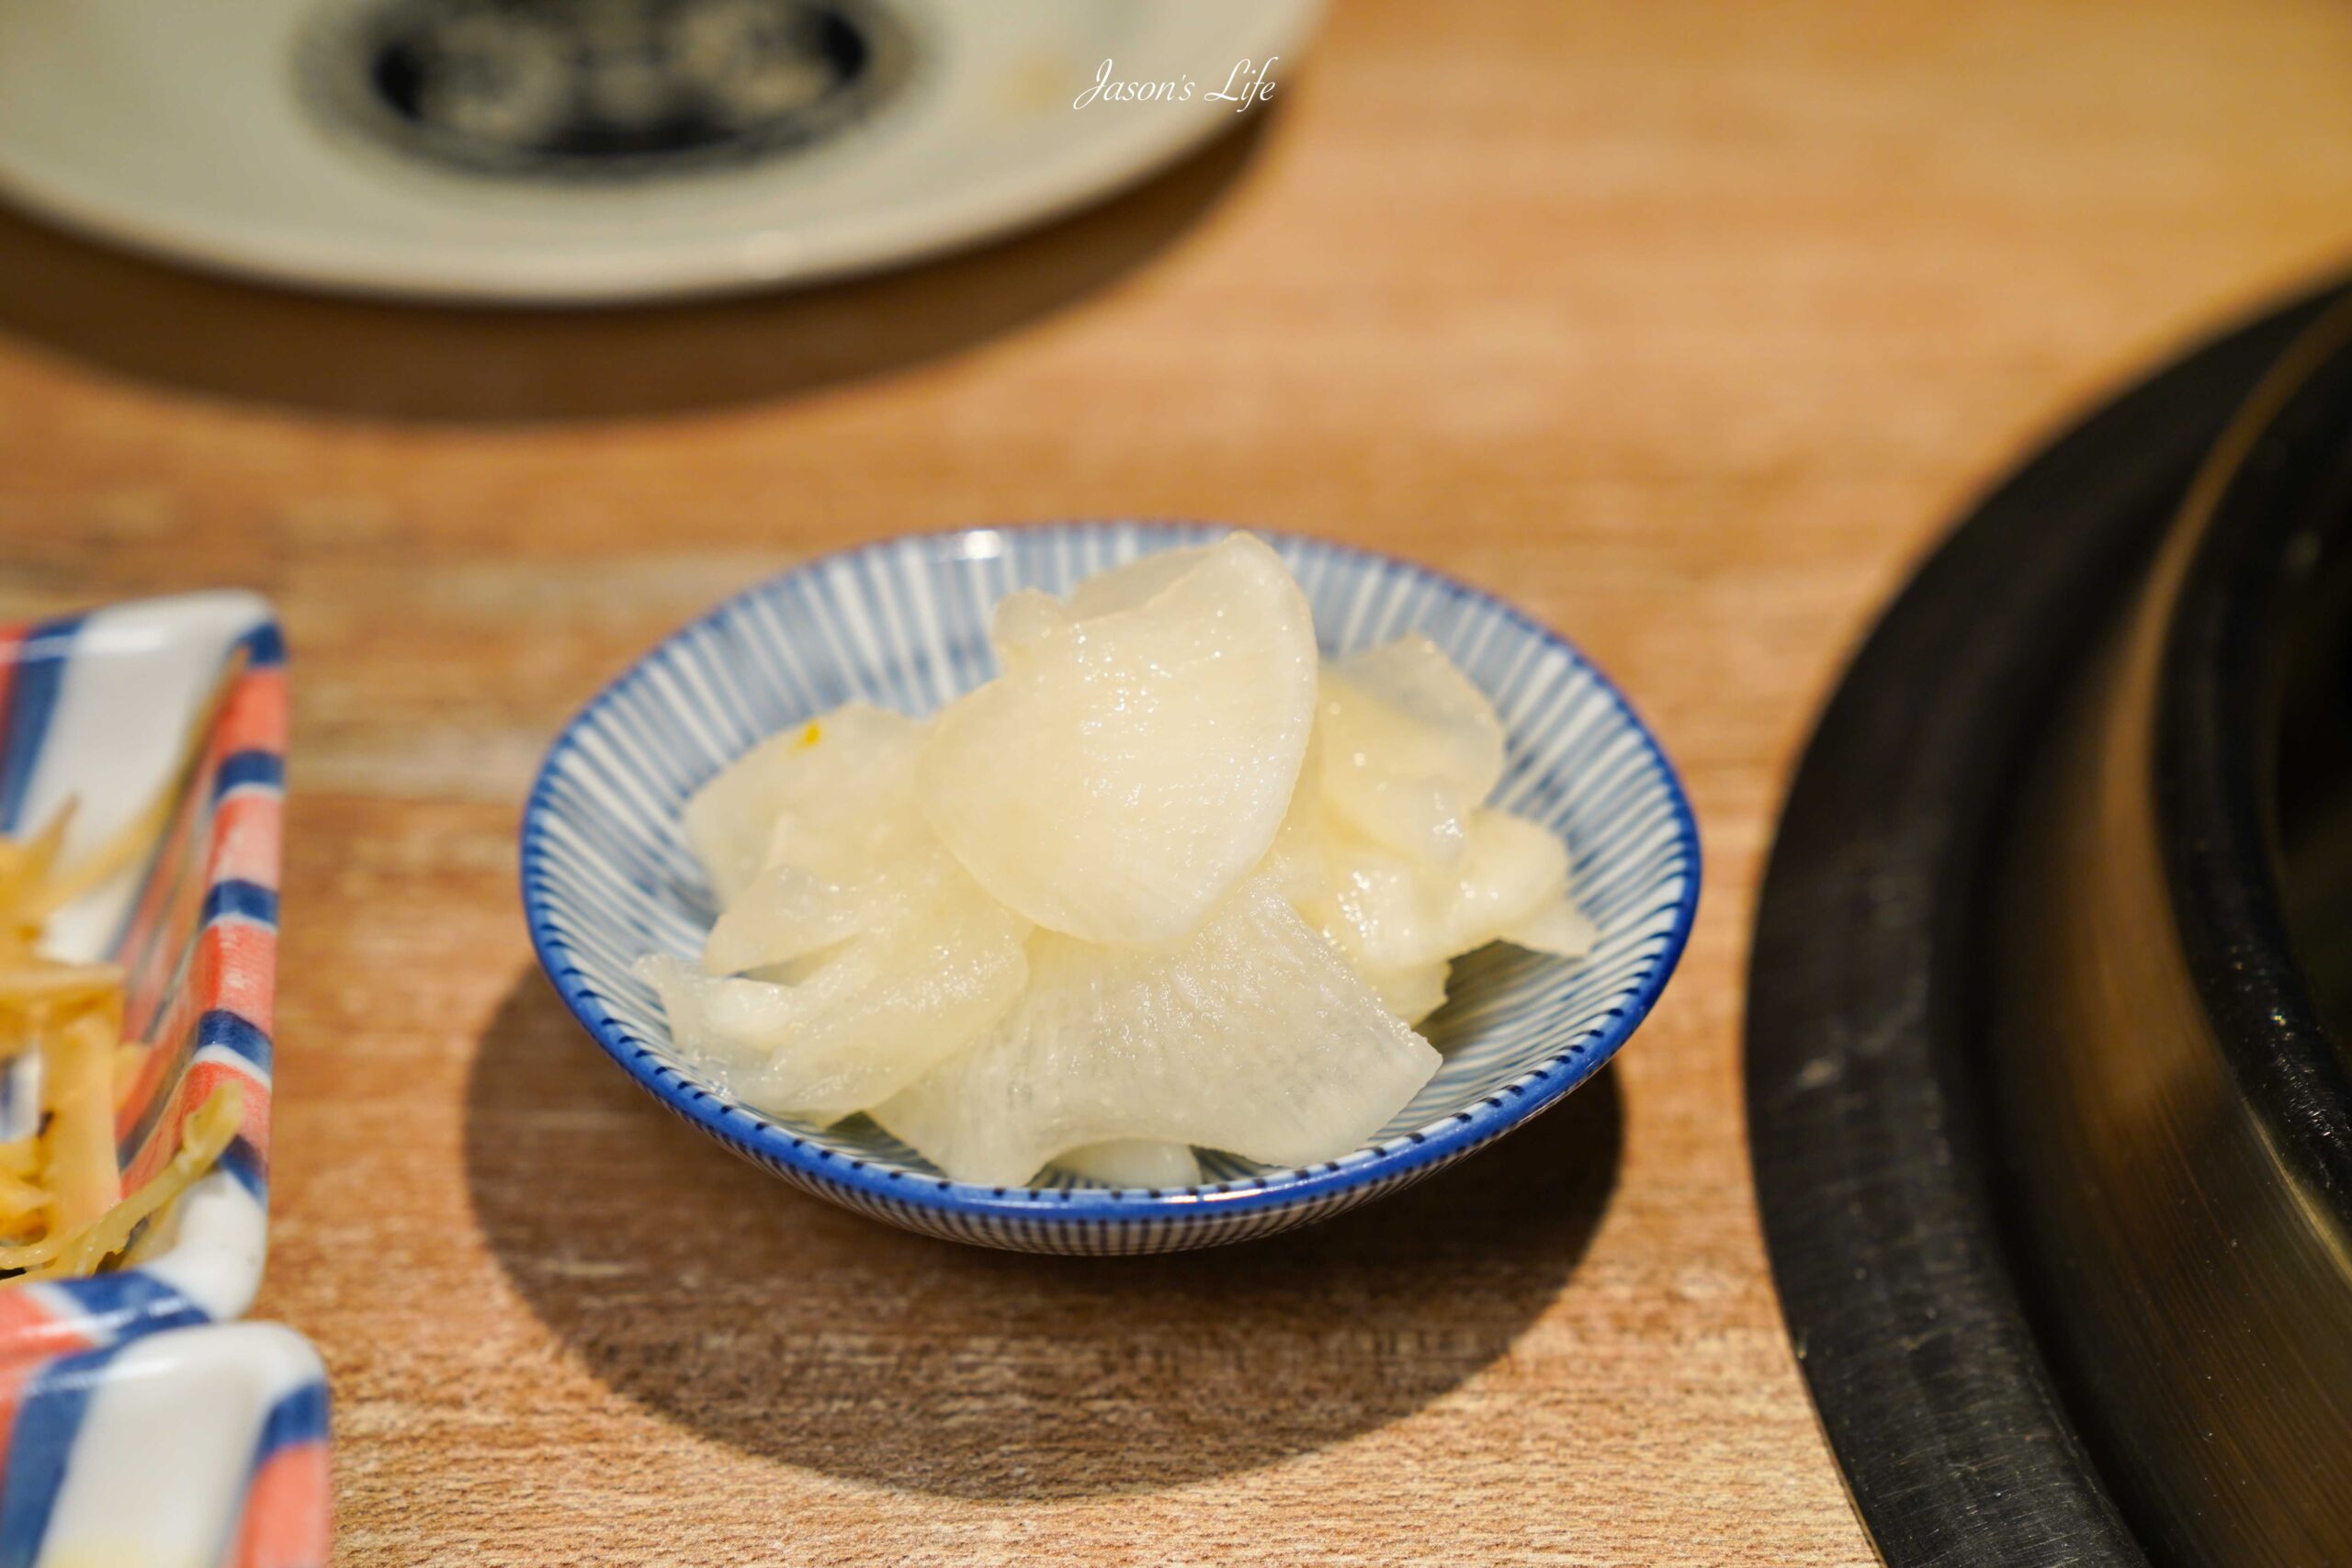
[{"x": 586, "y": 150}]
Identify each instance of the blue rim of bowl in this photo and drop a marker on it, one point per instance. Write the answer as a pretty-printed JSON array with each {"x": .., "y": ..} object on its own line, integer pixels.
[{"x": 1419, "y": 1151}]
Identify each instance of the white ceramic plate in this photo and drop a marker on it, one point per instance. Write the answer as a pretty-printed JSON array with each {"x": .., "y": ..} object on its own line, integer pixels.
[{"x": 292, "y": 141}]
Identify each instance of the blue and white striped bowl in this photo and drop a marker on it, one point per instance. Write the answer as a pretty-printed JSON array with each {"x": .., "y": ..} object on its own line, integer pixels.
[{"x": 608, "y": 876}]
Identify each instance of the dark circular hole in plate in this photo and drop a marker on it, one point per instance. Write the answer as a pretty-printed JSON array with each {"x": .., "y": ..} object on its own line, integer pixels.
[
  {"x": 2311, "y": 764},
  {"x": 589, "y": 89}
]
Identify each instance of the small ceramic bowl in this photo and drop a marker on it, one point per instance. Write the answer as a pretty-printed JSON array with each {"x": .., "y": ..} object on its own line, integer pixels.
[
  {"x": 99, "y": 709},
  {"x": 607, "y": 876}
]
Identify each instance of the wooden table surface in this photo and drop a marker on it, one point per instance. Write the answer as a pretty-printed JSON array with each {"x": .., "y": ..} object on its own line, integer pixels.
[{"x": 1684, "y": 325}]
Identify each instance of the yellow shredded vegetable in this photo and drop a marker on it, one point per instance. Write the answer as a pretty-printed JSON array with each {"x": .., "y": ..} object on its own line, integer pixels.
[
  {"x": 63, "y": 1211},
  {"x": 204, "y": 1137},
  {"x": 35, "y": 985}
]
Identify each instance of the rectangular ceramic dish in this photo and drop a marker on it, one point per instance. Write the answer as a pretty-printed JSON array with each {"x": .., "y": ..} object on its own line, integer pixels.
[
  {"x": 99, "y": 709},
  {"x": 196, "y": 1448}
]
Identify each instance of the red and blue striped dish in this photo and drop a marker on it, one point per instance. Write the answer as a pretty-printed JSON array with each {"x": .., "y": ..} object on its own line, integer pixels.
[
  {"x": 196, "y": 1446},
  {"x": 98, "y": 708},
  {"x": 607, "y": 876}
]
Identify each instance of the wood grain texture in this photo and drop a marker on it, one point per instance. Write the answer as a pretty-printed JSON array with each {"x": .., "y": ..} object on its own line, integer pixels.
[{"x": 1684, "y": 325}]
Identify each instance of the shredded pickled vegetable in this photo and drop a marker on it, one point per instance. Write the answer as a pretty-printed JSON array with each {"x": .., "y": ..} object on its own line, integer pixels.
[
  {"x": 204, "y": 1137},
  {"x": 63, "y": 1211}
]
